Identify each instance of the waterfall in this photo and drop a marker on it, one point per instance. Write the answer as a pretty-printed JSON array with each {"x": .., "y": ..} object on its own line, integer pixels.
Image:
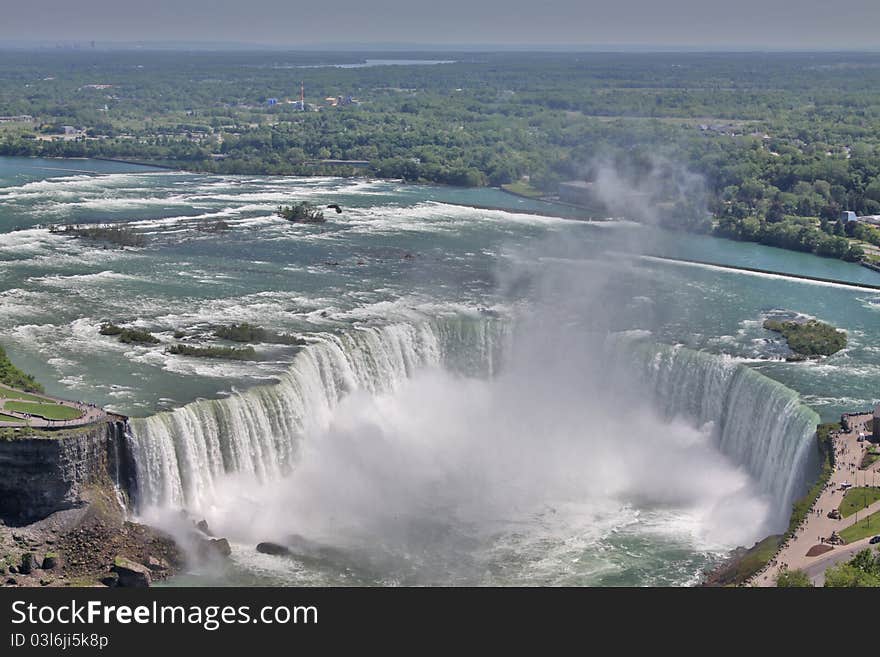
[
  {"x": 180, "y": 454},
  {"x": 121, "y": 468},
  {"x": 757, "y": 422}
]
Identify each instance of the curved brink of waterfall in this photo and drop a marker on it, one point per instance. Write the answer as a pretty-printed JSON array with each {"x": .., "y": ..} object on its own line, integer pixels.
[
  {"x": 180, "y": 454},
  {"x": 758, "y": 423}
]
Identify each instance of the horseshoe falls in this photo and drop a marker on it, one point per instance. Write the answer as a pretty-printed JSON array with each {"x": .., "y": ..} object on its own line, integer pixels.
[{"x": 751, "y": 432}]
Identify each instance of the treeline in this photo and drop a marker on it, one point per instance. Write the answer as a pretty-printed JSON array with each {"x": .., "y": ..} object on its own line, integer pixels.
[
  {"x": 796, "y": 234},
  {"x": 784, "y": 142}
]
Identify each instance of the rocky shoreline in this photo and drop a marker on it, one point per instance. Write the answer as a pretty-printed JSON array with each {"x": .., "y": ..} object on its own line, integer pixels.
[{"x": 91, "y": 545}]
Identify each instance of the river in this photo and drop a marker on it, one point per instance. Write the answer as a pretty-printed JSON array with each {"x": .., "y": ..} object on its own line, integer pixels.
[{"x": 411, "y": 301}]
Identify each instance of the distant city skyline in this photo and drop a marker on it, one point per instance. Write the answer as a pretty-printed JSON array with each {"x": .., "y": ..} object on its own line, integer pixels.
[{"x": 399, "y": 24}]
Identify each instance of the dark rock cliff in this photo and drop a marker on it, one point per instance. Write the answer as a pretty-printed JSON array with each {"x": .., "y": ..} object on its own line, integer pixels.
[{"x": 43, "y": 474}]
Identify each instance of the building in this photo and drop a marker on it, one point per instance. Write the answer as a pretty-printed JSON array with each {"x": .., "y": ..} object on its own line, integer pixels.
[{"x": 848, "y": 215}]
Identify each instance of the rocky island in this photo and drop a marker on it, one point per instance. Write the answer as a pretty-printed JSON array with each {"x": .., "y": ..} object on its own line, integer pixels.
[
  {"x": 301, "y": 213},
  {"x": 808, "y": 339}
]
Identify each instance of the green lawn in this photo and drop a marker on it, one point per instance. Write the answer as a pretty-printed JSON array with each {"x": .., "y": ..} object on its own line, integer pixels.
[
  {"x": 48, "y": 411},
  {"x": 862, "y": 529},
  {"x": 8, "y": 418},
  {"x": 857, "y": 499},
  {"x": 523, "y": 188},
  {"x": 6, "y": 393}
]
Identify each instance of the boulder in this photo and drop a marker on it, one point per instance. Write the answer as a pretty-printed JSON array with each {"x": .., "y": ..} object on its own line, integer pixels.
[
  {"x": 220, "y": 546},
  {"x": 131, "y": 574},
  {"x": 202, "y": 526},
  {"x": 214, "y": 548},
  {"x": 28, "y": 563},
  {"x": 50, "y": 561},
  {"x": 272, "y": 548},
  {"x": 157, "y": 565}
]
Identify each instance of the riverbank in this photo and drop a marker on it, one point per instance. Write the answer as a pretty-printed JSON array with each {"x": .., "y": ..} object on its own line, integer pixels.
[{"x": 141, "y": 163}]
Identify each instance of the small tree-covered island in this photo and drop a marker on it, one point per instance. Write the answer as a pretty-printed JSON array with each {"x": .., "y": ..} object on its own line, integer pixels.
[
  {"x": 301, "y": 213},
  {"x": 809, "y": 338}
]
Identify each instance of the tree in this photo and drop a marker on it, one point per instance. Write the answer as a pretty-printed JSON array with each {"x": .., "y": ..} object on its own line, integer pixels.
[
  {"x": 865, "y": 561},
  {"x": 863, "y": 570},
  {"x": 775, "y": 211},
  {"x": 830, "y": 211},
  {"x": 872, "y": 191},
  {"x": 847, "y": 576},
  {"x": 793, "y": 579}
]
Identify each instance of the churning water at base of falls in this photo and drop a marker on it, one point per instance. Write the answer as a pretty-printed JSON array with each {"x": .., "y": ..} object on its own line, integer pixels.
[{"x": 411, "y": 306}]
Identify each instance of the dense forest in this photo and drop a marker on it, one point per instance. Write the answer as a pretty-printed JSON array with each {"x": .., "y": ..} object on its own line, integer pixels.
[{"x": 783, "y": 142}]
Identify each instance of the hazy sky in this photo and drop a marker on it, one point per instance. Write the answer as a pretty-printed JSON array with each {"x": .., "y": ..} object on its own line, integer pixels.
[{"x": 801, "y": 24}]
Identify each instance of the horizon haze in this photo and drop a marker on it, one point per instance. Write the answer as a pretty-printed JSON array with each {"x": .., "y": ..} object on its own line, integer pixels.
[{"x": 397, "y": 25}]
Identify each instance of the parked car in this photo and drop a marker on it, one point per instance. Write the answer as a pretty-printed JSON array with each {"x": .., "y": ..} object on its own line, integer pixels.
[
  {"x": 834, "y": 514},
  {"x": 874, "y": 540}
]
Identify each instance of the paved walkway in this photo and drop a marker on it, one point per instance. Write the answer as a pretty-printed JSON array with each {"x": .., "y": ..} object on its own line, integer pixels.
[
  {"x": 89, "y": 413},
  {"x": 817, "y": 527}
]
